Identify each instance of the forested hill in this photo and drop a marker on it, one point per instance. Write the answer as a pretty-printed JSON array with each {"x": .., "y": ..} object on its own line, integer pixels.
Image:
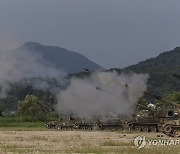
[
  {"x": 161, "y": 80},
  {"x": 160, "y": 70},
  {"x": 68, "y": 61}
]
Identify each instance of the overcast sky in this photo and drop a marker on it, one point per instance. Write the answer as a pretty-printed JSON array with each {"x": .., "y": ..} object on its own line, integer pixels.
[{"x": 112, "y": 33}]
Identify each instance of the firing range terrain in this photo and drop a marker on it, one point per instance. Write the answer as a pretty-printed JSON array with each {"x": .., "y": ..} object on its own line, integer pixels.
[
  {"x": 30, "y": 75},
  {"x": 56, "y": 142}
]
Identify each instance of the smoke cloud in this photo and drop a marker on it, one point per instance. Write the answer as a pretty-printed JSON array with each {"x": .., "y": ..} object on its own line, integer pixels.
[
  {"x": 102, "y": 93},
  {"x": 99, "y": 94},
  {"x": 21, "y": 65}
]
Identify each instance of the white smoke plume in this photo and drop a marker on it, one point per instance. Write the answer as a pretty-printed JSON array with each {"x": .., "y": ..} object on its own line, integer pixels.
[
  {"x": 103, "y": 92},
  {"x": 19, "y": 65}
]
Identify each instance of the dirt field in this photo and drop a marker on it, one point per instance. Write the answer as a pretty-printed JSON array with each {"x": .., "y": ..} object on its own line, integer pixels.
[{"x": 77, "y": 142}]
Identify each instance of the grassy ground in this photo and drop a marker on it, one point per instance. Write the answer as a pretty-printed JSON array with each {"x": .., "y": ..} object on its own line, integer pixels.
[
  {"x": 16, "y": 124},
  {"x": 117, "y": 148},
  {"x": 126, "y": 150},
  {"x": 34, "y": 138},
  {"x": 97, "y": 142}
]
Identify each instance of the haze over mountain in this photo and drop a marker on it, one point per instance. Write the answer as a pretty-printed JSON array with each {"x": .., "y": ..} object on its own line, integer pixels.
[{"x": 60, "y": 58}]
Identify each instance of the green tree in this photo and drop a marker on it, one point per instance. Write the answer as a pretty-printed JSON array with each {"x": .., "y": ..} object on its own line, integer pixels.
[
  {"x": 32, "y": 109},
  {"x": 175, "y": 97},
  {"x": 166, "y": 101}
]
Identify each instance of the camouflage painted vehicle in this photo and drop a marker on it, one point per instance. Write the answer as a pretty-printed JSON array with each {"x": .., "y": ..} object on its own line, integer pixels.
[
  {"x": 110, "y": 124},
  {"x": 83, "y": 124},
  {"x": 144, "y": 120},
  {"x": 166, "y": 120},
  {"x": 62, "y": 123},
  {"x": 69, "y": 122},
  {"x": 150, "y": 119},
  {"x": 52, "y": 124},
  {"x": 68, "y": 125},
  {"x": 171, "y": 124}
]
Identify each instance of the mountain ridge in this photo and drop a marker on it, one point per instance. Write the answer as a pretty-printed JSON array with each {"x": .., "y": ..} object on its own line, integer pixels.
[
  {"x": 160, "y": 70},
  {"x": 61, "y": 58},
  {"x": 161, "y": 82}
]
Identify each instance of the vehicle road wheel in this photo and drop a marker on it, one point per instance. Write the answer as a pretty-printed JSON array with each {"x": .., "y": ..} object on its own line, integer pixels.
[
  {"x": 100, "y": 126},
  {"x": 95, "y": 127},
  {"x": 153, "y": 129},
  {"x": 48, "y": 126},
  {"x": 176, "y": 133},
  {"x": 130, "y": 126},
  {"x": 145, "y": 128},
  {"x": 59, "y": 127},
  {"x": 167, "y": 129},
  {"x": 138, "y": 128}
]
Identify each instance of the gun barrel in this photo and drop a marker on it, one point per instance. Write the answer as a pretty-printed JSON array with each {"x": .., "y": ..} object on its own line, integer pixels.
[
  {"x": 163, "y": 100},
  {"x": 145, "y": 107},
  {"x": 100, "y": 89}
]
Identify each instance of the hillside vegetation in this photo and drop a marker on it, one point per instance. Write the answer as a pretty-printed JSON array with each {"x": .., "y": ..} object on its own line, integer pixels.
[{"x": 160, "y": 69}]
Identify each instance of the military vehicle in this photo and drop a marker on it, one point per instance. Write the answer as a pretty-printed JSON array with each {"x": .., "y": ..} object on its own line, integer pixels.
[
  {"x": 166, "y": 120},
  {"x": 163, "y": 119},
  {"x": 149, "y": 119},
  {"x": 66, "y": 125},
  {"x": 84, "y": 125},
  {"x": 67, "y": 122},
  {"x": 110, "y": 124},
  {"x": 52, "y": 124}
]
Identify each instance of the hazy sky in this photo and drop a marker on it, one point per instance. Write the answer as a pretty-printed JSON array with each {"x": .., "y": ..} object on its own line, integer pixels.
[{"x": 112, "y": 33}]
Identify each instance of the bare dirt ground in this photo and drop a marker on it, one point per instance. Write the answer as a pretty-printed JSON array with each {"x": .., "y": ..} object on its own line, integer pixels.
[{"x": 76, "y": 142}]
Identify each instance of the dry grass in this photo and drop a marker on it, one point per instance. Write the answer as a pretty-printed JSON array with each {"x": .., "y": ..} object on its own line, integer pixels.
[
  {"x": 89, "y": 149},
  {"x": 113, "y": 143},
  {"x": 25, "y": 149},
  {"x": 49, "y": 142},
  {"x": 126, "y": 150}
]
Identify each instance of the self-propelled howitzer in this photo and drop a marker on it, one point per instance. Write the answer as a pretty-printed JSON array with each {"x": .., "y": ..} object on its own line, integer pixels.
[
  {"x": 170, "y": 117},
  {"x": 153, "y": 119},
  {"x": 162, "y": 119}
]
